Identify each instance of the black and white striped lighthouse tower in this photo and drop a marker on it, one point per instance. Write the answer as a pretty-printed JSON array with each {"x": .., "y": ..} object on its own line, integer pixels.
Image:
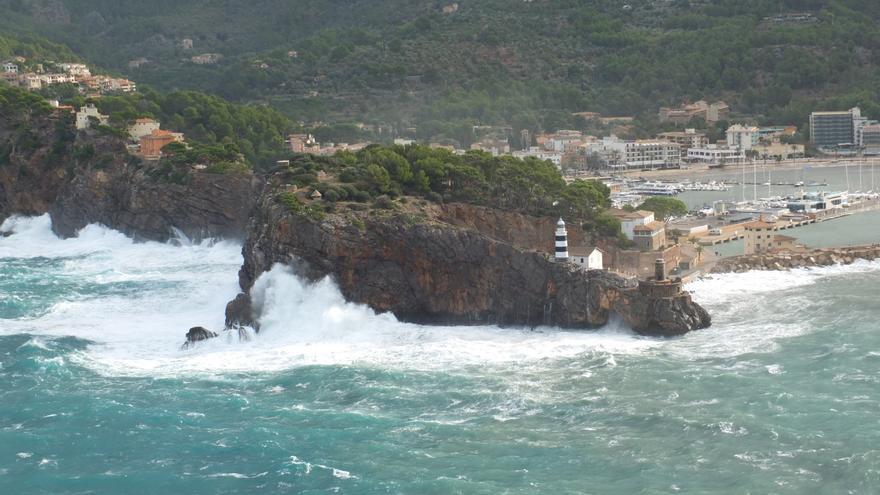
[{"x": 561, "y": 242}]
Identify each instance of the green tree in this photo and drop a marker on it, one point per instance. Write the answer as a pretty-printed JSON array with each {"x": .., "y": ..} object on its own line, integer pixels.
[{"x": 664, "y": 207}]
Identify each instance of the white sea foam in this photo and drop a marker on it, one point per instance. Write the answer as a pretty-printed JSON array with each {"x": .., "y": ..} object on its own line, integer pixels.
[{"x": 178, "y": 286}]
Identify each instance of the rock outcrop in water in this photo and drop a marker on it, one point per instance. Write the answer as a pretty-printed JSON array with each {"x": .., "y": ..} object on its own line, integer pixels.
[
  {"x": 196, "y": 335},
  {"x": 427, "y": 271}
]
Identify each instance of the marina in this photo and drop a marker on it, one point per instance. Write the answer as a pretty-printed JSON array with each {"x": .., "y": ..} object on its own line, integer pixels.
[{"x": 722, "y": 202}]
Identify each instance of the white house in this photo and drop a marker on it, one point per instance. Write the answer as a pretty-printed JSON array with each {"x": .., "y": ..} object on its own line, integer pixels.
[
  {"x": 142, "y": 127},
  {"x": 591, "y": 261},
  {"x": 10, "y": 68},
  {"x": 714, "y": 154},
  {"x": 540, "y": 154},
  {"x": 637, "y": 154},
  {"x": 90, "y": 110},
  {"x": 81, "y": 70},
  {"x": 629, "y": 220},
  {"x": 742, "y": 137}
]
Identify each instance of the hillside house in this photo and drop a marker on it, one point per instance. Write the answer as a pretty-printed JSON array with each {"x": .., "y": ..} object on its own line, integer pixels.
[
  {"x": 88, "y": 112},
  {"x": 650, "y": 236},
  {"x": 152, "y": 144},
  {"x": 142, "y": 127}
]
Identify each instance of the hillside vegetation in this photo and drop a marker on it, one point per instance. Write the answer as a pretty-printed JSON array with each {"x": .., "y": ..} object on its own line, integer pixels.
[{"x": 409, "y": 63}]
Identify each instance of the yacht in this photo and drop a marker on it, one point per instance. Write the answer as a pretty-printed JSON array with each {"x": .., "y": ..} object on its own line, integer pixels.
[{"x": 656, "y": 189}]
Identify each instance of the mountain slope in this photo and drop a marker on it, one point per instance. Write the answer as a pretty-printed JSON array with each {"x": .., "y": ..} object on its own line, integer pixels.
[{"x": 444, "y": 67}]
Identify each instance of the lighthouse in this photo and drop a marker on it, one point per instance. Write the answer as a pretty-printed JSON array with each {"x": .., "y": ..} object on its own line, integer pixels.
[{"x": 561, "y": 242}]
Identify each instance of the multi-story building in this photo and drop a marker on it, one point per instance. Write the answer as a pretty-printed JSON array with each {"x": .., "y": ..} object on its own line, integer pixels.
[
  {"x": 758, "y": 237},
  {"x": 637, "y": 154},
  {"x": 88, "y": 112},
  {"x": 716, "y": 155},
  {"x": 718, "y": 111},
  {"x": 686, "y": 140},
  {"x": 10, "y": 68},
  {"x": 142, "y": 127},
  {"x": 711, "y": 113},
  {"x": 742, "y": 137},
  {"x": 772, "y": 134},
  {"x": 650, "y": 237},
  {"x": 869, "y": 139},
  {"x": 302, "y": 143},
  {"x": 78, "y": 70},
  {"x": 778, "y": 150},
  {"x": 494, "y": 146},
  {"x": 833, "y": 129},
  {"x": 541, "y": 154},
  {"x": 151, "y": 145}
]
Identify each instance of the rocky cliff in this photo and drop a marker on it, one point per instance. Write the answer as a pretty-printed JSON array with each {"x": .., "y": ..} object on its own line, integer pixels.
[
  {"x": 428, "y": 271},
  {"x": 88, "y": 177},
  {"x": 129, "y": 200},
  {"x": 429, "y": 263}
]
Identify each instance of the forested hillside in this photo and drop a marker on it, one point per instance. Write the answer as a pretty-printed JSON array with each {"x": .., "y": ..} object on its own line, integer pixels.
[{"x": 442, "y": 66}]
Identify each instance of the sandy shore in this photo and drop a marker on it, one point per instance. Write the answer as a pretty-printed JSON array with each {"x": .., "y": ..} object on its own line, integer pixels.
[{"x": 695, "y": 171}]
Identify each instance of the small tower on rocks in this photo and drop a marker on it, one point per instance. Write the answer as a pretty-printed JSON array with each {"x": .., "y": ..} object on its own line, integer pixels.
[
  {"x": 660, "y": 269},
  {"x": 561, "y": 242}
]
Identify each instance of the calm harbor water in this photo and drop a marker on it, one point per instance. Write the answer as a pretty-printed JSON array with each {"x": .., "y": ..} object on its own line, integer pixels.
[
  {"x": 860, "y": 228},
  {"x": 838, "y": 178},
  {"x": 97, "y": 397}
]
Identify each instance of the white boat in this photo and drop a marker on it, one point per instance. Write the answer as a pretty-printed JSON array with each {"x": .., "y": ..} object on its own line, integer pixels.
[{"x": 656, "y": 189}]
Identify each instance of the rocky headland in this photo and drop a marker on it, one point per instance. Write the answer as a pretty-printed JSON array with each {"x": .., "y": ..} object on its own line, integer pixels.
[
  {"x": 429, "y": 262},
  {"x": 433, "y": 264}
]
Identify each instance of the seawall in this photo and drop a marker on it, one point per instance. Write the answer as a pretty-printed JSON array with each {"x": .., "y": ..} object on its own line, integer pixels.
[{"x": 798, "y": 259}]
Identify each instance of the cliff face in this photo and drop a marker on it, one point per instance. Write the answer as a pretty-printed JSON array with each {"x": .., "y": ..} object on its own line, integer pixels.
[
  {"x": 103, "y": 184},
  {"x": 427, "y": 271},
  {"x": 29, "y": 177},
  {"x": 433, "y": 264},
  {"x": 127, "y": 199}
]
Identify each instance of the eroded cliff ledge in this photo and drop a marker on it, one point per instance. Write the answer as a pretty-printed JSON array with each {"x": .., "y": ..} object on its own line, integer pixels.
[
  {"x": 427, "y": 271},
  {"x": 90, "y": 178}
]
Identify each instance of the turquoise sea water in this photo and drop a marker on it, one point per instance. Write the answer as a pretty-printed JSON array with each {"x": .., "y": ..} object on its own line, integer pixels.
[{"x": 779, "y": 396}]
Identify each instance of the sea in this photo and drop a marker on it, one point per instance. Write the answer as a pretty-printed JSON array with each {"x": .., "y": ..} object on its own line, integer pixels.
[{"x": 781, "y": 395}]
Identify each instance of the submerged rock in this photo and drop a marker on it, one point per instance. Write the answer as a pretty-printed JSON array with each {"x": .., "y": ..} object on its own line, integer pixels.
[{"x": 197, "y": 334}]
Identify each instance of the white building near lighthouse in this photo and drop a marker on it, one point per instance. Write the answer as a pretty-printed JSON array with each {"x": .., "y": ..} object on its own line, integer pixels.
[
  {"x": 561, "y": 241},
  {"x": 588, "y": 260}
]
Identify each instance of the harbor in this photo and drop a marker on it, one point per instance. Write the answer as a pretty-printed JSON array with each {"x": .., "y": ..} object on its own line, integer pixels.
[{"x": 802, "y": 201}]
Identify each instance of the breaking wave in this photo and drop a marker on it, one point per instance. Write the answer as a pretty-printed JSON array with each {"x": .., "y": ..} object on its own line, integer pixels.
[{"x": 135, "y": 301}]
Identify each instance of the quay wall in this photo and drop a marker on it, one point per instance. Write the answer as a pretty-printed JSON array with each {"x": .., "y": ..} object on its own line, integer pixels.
[{"x": 787, "y": 260}]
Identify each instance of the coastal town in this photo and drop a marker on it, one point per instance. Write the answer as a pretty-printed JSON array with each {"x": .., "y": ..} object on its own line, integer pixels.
[
  {"x": 669, "y": 165},
  {"x": 34, "y": 76}
]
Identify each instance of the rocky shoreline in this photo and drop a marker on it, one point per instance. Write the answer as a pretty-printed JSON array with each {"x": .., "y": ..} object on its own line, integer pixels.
[
  {"x": 426, "y": 271},
  {"x": 435, "y": 264},
  {"x": 801, "y": 259}
]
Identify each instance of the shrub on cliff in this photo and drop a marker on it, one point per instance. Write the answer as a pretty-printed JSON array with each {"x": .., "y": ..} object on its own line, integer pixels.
[{"x": 526, "y": 185}]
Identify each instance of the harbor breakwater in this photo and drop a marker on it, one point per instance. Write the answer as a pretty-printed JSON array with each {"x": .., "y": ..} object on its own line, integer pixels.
[{"x": 787, "y": 260}]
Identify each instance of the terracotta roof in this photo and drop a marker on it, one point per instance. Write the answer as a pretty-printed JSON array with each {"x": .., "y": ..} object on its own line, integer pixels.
[
  {"x": 760, "y": 224},
  {"x": 650, "y": 227},
  {"x": 145, "y": 121}
]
